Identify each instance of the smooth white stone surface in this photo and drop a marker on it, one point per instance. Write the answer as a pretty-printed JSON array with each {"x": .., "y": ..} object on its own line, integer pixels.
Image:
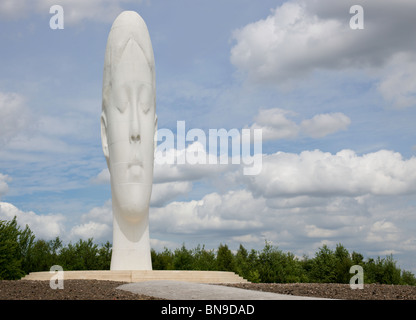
[{"x": 128, "y": 128}]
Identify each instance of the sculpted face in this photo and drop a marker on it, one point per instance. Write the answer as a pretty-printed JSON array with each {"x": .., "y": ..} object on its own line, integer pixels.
[{"x": 128, "y": 121}]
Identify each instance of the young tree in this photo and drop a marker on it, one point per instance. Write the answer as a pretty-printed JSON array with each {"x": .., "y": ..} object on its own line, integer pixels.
[
  {"x": 25, "y": 240},
  {"x": 241, "y": 261},
  {"x": 225, "y": 259},
  {"x": 81, "y": 256},
  {"x": 408, "y": 278},
  {"x": 87, "y": 253},
  {"x": 10, "y": 254},
  {"x": 293, "y": 269},
  {"x": 343, "y": 264},
  {"x": 39, "y": 257},
  {"x": 163, "y": 260},
  {"x": 391, "y": 273},
  {"x": 324, "y": 266},
  {"x": 271, "y": 264},
  {"x": 357, "y": 258},
  {"x": 183, "y": 259},
  {"x": 203, "y": 259},
  {"x": 104, "y": 256},
  {"x": 15, "y": 247}
]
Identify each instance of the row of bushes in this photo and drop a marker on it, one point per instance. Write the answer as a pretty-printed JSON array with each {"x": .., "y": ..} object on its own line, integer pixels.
[
  {"x": 20, "y": 254},
  {"x": 273, "y": 265}
]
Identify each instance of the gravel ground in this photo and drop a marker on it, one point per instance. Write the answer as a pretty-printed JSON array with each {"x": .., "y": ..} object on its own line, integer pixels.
[
  {"x": 336, "y": 290},
  {"x": 73, "y": 290},
  {"x": 106, "y": 290}
]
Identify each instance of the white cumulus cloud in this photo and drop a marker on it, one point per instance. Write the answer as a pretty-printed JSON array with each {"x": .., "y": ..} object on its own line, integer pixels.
[
  {"x": 345, "y": 173},
  {"x": 96, "y": 224},
  {"x": 398, "y": 83},
  {"x": 162, "y": 193},
  {"x": 3, "y": 184},
  {"x": 43, "y": 226},
  {"x": 300, "y": 37},
  {"x": 213, "y": 213},
  {"x": 91, "y": 229},
  {"x": 288, "y": 43},
  {"x": 275, "y": 124},
  {"x": 13, "y": 115},
  {"x": 325, "y": 124}
]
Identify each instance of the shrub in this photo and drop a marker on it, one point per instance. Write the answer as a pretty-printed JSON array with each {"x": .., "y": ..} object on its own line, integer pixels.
[
  {"x": 408, "y": 278},
  {"x": 14, "y": 247}
]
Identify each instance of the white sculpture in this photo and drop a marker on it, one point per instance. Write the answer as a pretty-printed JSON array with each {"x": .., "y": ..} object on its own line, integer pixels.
[{"x": 128, "y": 129}]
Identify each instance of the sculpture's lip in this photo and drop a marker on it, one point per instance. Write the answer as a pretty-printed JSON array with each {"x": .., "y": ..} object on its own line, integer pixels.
[{"x": 135, "y": 163}]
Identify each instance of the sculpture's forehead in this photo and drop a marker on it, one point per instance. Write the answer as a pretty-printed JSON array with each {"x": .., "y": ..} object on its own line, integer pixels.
[
  {"x": 129, "y": 72},
  {"x": 128, "y": 29},
  {"x": 132, "y": 65}
]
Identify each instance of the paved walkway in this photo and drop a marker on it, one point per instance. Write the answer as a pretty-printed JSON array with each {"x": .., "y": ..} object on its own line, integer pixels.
[{"x": 178, "y": 290}]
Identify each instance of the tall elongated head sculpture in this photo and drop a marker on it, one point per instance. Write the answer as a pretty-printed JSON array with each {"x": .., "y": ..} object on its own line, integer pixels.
[{"x": 128, "y": 128}]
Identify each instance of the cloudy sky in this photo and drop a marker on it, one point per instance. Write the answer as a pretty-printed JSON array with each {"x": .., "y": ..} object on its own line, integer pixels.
[{"x": 336, "y": 106}]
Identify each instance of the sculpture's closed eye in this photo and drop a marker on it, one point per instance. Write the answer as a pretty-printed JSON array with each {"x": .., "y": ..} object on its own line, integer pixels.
[{"x": 146, "y": 98}]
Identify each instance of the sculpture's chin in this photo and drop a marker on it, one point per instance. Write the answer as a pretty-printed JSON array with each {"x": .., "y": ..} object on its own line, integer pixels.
[
  {"x": 132, "y": 201},
  {"x": 133, "y": 213}
]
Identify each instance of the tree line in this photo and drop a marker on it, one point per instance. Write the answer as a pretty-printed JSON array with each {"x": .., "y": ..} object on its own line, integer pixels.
[{"x": 21, "y": 253}]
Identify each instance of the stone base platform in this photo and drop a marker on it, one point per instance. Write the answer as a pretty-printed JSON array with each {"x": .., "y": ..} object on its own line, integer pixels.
[{"x": 211, "y": 277}]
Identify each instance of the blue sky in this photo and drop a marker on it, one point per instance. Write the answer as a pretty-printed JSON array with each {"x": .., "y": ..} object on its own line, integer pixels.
[{"x": 337, "y": 108}]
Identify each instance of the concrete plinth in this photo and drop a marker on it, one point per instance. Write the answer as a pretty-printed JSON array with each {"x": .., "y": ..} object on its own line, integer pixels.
[{"x": 147, "y": 275}]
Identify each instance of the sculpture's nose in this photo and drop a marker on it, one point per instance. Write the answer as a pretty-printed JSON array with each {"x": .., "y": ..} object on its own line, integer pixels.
[
  {"x": 135, "y": 138},
  {"x": 135, "y": 130}
]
